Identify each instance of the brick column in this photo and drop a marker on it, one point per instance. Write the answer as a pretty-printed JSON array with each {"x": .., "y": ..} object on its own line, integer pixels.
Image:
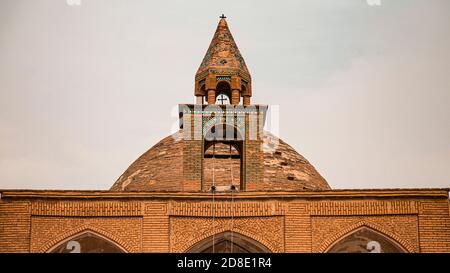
[
  {"x": 235, "y": 89},
  {"x": 211, "y": 83},
  {"x": 246, "y": 100},
  {"x": 212, "y": 96},
  {"x": 235, "y": 97}
]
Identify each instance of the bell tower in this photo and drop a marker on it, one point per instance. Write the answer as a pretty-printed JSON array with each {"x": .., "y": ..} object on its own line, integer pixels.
[
  {"x": 222, "y": 131},
  {"x": 223, "y": 71}
]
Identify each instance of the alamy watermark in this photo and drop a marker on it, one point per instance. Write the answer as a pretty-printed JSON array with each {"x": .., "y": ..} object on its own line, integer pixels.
[
  {"x": 228, "y": 123},
  {"x": 373, "y": 2},
  {"x": 73, "y": 2}
]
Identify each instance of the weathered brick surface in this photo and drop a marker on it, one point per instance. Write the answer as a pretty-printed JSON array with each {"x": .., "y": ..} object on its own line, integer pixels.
[
  {"x": 14, "y": 226},
  {"x": 221, "y": 171},
  {"x": 47, "y": 232},
  {"x": 186, "y": 231},
  {"x": 36, "y": 221},
  {"x": 155, "y": 227},
  {"x": 434, "y": 231},
  {"x": 298, "y": 228},
  {"x": 152, "y": 170},
  {"x": 171, "y": 165},
  {"x": 326, "y": 230}
]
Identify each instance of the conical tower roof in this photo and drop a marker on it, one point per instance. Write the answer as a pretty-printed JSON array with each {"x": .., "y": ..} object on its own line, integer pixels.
[{"x": 223, "y": 53}]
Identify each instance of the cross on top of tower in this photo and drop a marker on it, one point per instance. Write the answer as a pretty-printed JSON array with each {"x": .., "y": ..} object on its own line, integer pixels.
[{"x": 223, "y": 70}]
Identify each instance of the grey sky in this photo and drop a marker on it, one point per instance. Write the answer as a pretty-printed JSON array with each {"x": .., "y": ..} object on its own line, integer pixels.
[{"x": 364, "y": 91}]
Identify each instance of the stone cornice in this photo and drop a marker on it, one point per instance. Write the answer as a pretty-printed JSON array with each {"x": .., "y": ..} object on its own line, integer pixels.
[{"x": 258, "y": 195}]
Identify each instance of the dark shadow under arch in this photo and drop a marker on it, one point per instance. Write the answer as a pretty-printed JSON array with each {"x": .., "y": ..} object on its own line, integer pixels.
[
  {"x": 223, "y": 132},
  {"x": 87, "y": 242},
  {"x": 366, "y": 240},
  {"x": 228, "y": 242}
]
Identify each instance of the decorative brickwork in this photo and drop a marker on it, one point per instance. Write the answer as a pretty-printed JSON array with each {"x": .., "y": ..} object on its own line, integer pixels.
[
  {"x": 15, "y": 226},
  {"x": 48, "y": 231},
  {"x": 226, "y": 209},
  {"x": 37, "y": 221},
  {"x": 155, "y": 228},
  {"x": 186, "y": 231},
  {"x": 363, "y": 207},
  {"x": 434, "y": 226},
  {"x": 101, "y": 208},
  {"x": 402, "y": 229}
]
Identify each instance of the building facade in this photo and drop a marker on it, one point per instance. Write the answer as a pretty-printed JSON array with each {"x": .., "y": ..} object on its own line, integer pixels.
[{"x": 224, "y": 184}]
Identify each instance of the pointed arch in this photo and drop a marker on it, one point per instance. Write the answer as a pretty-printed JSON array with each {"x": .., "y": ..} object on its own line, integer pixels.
[
  {"x": 365, "y": 237},
  {"x": 228, "y": 242},
  {"x": 223, "y": 88},
  {"x": 97, "y": 235}
]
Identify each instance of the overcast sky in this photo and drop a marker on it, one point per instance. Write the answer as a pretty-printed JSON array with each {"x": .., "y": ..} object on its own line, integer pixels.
[{"x": 363, "y": 90}]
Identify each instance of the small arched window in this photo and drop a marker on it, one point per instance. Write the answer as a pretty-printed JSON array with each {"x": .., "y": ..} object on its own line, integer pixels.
[{"x": 223, "y": 93}]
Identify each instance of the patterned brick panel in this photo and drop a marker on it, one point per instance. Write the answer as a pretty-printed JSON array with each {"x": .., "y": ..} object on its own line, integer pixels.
[
  {"x": 155, "y": 228},
  {"x": 14, "y": 226},
  {"x": 401, "y": 228},
  {"x": 186, "y": 231},
  {"x": 99, "y": 208},
  {"x": 297, "y": 228},
  {"x": 363, "y": 207},
  {"x": 47, "y": 231},
  {"x": 226, "y": 209},
  {"x": 434, "y": 226}
]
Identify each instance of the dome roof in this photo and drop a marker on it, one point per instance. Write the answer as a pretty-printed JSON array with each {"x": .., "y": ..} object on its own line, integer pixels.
[{"x": 161, "y": 168}]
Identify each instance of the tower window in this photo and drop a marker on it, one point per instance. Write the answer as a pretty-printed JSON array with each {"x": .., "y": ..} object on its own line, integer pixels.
[{"x": 223, "y": 93}]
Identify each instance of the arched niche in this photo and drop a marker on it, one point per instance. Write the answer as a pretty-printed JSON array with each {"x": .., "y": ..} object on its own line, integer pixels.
[
  {"x": 223, "y": 93},
  {"x": 87, "y": 242},
  {"x": 228, "y": 242},
  {"x": 222, "y": 157},
  {"x": 365, "y": 240}
]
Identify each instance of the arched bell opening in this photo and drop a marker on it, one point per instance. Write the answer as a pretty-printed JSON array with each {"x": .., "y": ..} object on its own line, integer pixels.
[
  {"x": 223, "y": 93},
  {"x": 222, "y": 158}
]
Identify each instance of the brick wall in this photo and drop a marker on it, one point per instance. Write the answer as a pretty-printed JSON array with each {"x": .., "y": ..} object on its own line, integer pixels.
[
  {"x": 434, "y": 226},
  {"x": 173, "y": 223},
  {"x": 48, "y": 231},
  {"x": 14, "y": 226},
  {"x": 155, "y": 228},
  {"x": 298, "y": 228}
]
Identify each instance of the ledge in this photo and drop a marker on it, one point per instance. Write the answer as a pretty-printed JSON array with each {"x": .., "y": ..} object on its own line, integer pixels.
[{"x": 329, "y": 194}]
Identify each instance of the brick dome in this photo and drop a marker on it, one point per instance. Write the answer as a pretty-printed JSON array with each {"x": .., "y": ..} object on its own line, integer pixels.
[{"x": 161, "y": 168}]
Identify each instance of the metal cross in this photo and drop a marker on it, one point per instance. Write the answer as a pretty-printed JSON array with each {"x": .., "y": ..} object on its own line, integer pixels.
[
  {"x": 223, "y": 16},
  {"x": 222, "y": 98}
]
